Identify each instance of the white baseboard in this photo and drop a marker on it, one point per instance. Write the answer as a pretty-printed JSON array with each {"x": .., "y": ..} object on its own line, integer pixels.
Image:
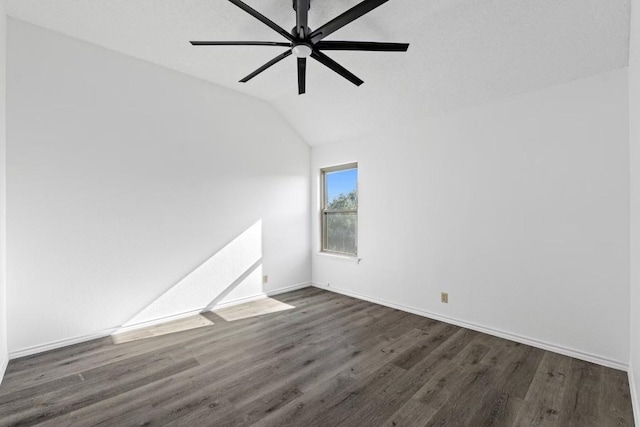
[
  {"x": 115, "y": 330},
  {"x": 635, "y": 403},
  {"x": 40, "y": 348},
  {"x": 261, "y": 295},
  {"x": 487, "y": 330},
  {"x": 230, "y": 303}
]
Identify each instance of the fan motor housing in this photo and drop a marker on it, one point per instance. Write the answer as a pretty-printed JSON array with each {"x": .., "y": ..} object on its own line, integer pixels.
[{"x": 294, "y": 33}]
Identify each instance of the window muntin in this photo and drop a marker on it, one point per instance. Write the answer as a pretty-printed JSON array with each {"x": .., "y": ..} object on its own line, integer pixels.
[{"x": 340, "y": 209}]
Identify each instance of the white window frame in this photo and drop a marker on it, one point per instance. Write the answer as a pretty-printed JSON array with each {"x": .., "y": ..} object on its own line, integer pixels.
[{"x": 324, "y": 211}]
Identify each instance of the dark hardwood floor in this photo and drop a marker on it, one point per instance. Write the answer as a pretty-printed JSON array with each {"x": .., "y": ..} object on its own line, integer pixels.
[{"x": 332, "y": 360}]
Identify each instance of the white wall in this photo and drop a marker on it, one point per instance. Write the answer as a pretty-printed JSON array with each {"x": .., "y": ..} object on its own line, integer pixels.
[
  {"x": 3, "y": 192},
  {"x": 634, "y": 122},
  {"x": 124, "y": 177},
  {"x": 518, "y": 209}
]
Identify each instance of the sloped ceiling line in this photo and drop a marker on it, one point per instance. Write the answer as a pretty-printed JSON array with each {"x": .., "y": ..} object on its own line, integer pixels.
[{"x": 463, "y": 52}]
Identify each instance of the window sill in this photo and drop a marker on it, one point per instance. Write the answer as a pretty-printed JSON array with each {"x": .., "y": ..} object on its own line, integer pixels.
[{"x": 343, "y": 258}]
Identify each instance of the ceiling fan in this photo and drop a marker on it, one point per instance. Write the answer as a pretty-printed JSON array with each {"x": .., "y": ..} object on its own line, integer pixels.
[{"x": 303, "y": 42}]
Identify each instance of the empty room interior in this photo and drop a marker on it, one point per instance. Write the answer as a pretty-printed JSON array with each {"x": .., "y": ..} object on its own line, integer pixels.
[{"x": 306, "y": 213}]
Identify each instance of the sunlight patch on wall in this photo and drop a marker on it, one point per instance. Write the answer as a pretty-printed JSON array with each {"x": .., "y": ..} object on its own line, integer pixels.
[{"x": 237, "y": 265}]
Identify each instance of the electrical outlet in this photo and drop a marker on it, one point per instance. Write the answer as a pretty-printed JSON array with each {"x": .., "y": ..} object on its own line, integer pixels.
[
  {"x": 265, "y": 279},
  {"x": 328, "y": 285},
  {"x": 444, "y": 297}
]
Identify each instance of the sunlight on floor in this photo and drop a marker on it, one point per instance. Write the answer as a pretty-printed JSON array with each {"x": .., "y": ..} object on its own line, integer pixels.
[
  {"x": 191, "y": 322},
  {"x": 252, "y": 309}
]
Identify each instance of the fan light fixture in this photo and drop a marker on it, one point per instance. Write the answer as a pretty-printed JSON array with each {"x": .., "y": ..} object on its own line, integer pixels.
[
  {"x": 302, "y": 50},
  {"x": 304, "y": 43}
]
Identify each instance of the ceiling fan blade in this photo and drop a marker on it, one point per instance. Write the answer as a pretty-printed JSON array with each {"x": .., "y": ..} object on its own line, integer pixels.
[
  {"x": 262, "y": 18},
  {"x": 368, "y": 46},
  {"x": 239, "y": 43},
  {"x": 302, "y": 75},
  {"x": 330, "y": 63},
  {"x": 341, "y": 20},
  {"x": 267, "y": 65},
  {"x": 302, "y": 18}
]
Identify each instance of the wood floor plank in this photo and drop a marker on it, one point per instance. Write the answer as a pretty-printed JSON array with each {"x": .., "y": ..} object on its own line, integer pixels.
[
  {"x": 615, "y": 398},
  {"x": 358, "y": 403},
  {"x": 190, "y": 390},
  {"x": 377, "y": 409},
  {"x": 426, "y": 402},
  {"x": 69, "y": 360},
  {"x": 332, "y": 382},
  {"x": 496, "y": 408},
  {"x": 349, "y": 360},
  {"x": 473, "y": 353},
  {"x": 518, "y": 373},
  {"x": 50, "y": 356},
  {"x": 292, "y": 358},
  {"x": 50, "y": 407},
  {"x": 543, "y": 402},
  {"x": 326, "y": 360},
  {"x": 466, "y": 398}
]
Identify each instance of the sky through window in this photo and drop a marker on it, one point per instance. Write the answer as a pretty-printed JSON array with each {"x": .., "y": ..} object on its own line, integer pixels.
[{"x": 341, "y": 182}]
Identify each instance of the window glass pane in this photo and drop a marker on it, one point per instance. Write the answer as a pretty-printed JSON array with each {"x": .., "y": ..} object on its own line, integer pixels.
[
  {"x": 342, "y": 189},
  {"x": 341, "y": 231}
]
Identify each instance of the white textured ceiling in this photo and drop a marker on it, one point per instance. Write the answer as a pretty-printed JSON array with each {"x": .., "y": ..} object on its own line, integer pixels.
[{"x": 462, "y": 53}]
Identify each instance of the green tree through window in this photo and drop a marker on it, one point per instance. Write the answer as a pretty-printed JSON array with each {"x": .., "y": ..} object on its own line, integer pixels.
[{"x": 340, "y": 209}]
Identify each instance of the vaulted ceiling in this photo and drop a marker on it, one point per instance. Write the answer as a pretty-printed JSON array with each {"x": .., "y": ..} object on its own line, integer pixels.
[{"x": 462, "y": 53}]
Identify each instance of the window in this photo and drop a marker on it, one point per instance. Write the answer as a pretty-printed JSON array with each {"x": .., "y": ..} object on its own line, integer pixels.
[{"x": 340, "y": 209}]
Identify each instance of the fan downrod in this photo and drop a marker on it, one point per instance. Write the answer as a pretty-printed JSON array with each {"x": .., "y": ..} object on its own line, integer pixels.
[
  {"x": 295, "y": 5},
  {"x": 300, "y": 37}
]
